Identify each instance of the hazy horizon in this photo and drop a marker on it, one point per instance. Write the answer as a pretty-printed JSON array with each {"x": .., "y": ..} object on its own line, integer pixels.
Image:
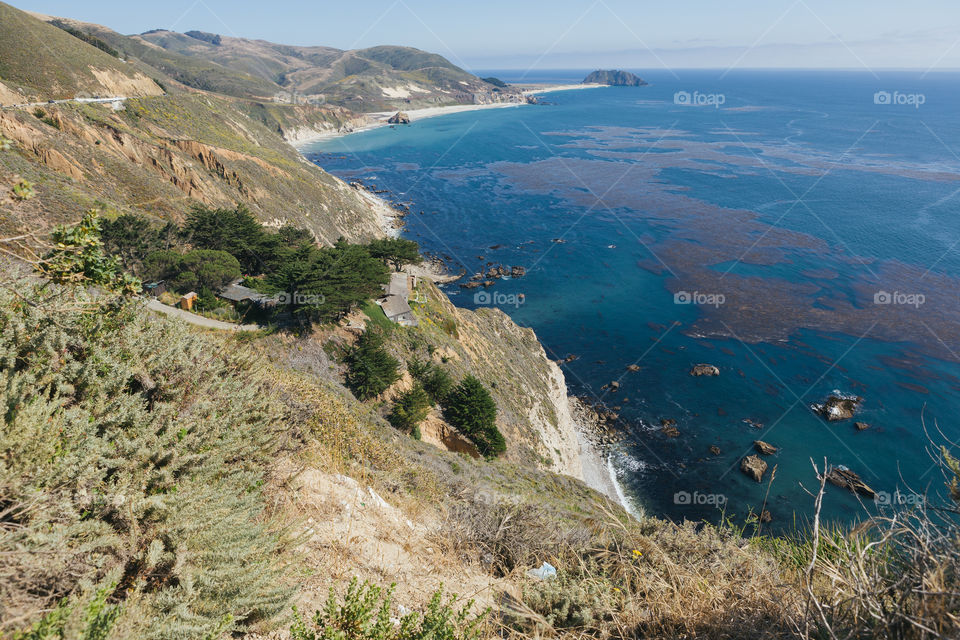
[{"x": 789, "y": 34}]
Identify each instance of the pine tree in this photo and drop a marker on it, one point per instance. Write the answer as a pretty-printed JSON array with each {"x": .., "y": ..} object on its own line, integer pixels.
[
  {"x": 371, "y": 370},
  {"x": 410, "y": 410},
  {"x": 471, "y": 409}
]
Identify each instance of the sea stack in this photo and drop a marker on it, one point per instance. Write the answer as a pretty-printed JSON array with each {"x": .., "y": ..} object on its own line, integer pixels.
[
  {"x": 615, "y": 78},
  {"x": 399, "y": 118}
]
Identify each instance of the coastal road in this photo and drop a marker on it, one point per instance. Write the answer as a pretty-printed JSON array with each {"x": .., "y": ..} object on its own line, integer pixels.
[
  {"x": 26, "y": 105},
  {"x": 199, "y": 321}
]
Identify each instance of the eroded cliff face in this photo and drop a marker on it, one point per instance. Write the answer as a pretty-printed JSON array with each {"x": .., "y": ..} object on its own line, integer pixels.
[
  {"x": 160, "y": 156},
  {"x": 529, "y": 389}
]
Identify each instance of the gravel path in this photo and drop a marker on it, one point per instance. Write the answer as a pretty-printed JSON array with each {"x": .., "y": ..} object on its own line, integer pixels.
[{"x": 199, "y": 321}]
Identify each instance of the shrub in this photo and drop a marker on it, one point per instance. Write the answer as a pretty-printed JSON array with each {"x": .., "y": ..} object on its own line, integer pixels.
[
  {"x": 449, "y": 326},
  {"x": 410, "y": 409},
  {"x": 436, "y": 381},
  {"x": 134, "y": 450},
  {"x": 471, "y": 409},
  {"x": 23, "y": 190},
  {"x": 570, "y": 601},
  {"x": 79, "y": 258},
  {"x": 370, "y": 369},
  {"x": 5, "y": 143},
  {"x": 364, "y": 614},
  {"x": 92, "y": 620}
]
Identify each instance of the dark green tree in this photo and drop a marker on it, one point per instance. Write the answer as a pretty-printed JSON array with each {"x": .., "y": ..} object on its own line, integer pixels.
[
  {"x": 344, "y": 276},
  {"x": 370, "y": 369},
  {"x": 395, "y": 251},
  {"x": 410, "y": 409},
  {"x": 436, "y": 381},
  {"x": 161, "y": 265},
  {"x": 235, "y": 231},
  {"x": 131, "y": 238},
  {"x": 471, "y": 409},
  {"x": 214, "y": 269}
]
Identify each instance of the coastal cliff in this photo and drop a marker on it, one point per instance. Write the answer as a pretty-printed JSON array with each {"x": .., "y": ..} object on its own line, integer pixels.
[{"x": 529, "y": 389}]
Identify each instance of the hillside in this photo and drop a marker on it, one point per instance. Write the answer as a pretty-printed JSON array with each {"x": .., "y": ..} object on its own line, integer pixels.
[
  {"x": 160, "y": 155},
  {"x": 155, "y": 154},
  {"x": 365, "y": 80},
  {"x": 40, "y": 62}
]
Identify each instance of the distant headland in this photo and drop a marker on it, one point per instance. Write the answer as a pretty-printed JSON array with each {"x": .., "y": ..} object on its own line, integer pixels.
[{"x": 615, "y": 79}]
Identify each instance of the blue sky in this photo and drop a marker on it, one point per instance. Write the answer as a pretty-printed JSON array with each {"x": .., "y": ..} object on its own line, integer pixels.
[{"x": 519, "y": 34}]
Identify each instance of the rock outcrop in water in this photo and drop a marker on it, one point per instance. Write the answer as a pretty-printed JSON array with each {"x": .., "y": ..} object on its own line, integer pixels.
[
  {"x": 615, "y": 79},
  {"x": 765, "y": 448},
  {"x": 754, "y": 467},
  {"x": 399, "y": 118},
  {"x": 707, "y": 370},
  {"x": 850, "y": 480},
  {"x": 838, "y": 407}
]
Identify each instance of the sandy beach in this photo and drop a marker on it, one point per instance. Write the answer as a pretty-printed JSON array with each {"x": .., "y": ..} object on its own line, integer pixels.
[
  {"x": 379, "y": 119},
  {"x": 535, "y": 90}
]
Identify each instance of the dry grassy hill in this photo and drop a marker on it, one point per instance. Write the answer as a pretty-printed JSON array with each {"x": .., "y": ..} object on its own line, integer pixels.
[{"x": 41, "y": 62}]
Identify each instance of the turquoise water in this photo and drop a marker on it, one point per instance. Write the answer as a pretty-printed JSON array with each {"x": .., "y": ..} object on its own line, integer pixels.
[{"x": 786, "y": 213}]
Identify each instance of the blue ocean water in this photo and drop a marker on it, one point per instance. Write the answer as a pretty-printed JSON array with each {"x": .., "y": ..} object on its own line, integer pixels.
[{"x": 799, "y": 230}]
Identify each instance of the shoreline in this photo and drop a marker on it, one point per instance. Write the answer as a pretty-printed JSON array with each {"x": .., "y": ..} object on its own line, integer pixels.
[
  {"x": 597, "y": 465},
  {"x": 596, "y": 461},
  {"x": 378, "y": 119}
]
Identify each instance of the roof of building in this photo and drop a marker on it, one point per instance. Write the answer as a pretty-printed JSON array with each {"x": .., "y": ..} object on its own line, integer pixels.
[
  {"x": 238, "y": 293},
  {"x": 395, "y": 306},
  {"x": 398, "y": 285}
]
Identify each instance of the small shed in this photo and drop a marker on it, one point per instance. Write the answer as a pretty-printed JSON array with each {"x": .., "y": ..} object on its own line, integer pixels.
[
  {"x": 155, "y": 289},
  {"x": 188, "y": 300}
]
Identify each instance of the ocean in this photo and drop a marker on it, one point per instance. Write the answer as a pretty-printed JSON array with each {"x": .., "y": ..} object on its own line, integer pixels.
[{"x": 796, "y": 229}]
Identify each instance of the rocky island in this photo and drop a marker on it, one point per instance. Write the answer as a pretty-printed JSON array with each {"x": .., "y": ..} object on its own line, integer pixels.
[{"x": 615, "y": 79}]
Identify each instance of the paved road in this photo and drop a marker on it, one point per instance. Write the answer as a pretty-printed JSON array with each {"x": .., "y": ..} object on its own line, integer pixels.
[
  {"x": 199, "y": 321},
  {"x": 81, "y": 100}
]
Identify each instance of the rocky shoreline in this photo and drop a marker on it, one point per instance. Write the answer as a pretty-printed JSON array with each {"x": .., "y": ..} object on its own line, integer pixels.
[{"x": 597, "y": 433}]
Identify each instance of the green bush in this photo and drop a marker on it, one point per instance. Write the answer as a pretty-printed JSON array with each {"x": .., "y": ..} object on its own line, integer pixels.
[
  {"x": 79, "y": 258},
  {"x": 133, "y": 450},
  {"x": 370, "y": 369},
  {"x": 364, "y": 614},
  {"x": 23, "y": 190},
  {"x": 573, "y": 602},
  {"x": 5, "y": 143},
  {"x": 92, "y": 620},
  {"x": 436, "y": 381},
  {"x": 471, "y": 409},
  {"x": 410, "y": 410}
]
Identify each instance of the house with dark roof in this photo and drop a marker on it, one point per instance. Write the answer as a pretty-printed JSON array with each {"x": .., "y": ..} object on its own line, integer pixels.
[
  {"x": 395, "y": 303},
  {"x": 237, "y": 293}
]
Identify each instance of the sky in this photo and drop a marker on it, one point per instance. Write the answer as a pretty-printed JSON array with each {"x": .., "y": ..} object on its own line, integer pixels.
[{"x": 570, "y": 34}]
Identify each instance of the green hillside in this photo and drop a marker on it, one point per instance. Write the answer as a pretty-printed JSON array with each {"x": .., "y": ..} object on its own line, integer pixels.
[{"x": 48, "y": 63}]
